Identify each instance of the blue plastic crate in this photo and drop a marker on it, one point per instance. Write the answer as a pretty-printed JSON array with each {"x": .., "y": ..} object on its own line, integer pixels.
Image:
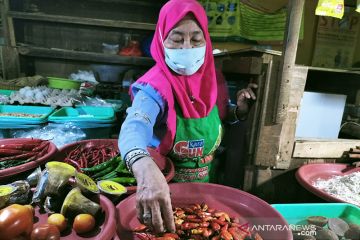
[
  {"x": 298, "y": 213},
  {"x": 83, "y": 114},
  {"x": 10, "y": 109}
]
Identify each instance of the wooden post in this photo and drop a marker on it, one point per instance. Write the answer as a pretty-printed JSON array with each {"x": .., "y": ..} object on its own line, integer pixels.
[
  {"x": 9, "y": 54},
  {"x": 291, "y": 39}
]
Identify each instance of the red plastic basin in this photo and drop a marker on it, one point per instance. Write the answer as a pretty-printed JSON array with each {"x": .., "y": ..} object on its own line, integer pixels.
[
  {"x": 308, "y": 174},
  {"x": 247, "y": 207},
  {"x": 51, "y": 152},
  {"x": 165, "y": 164},
  {"x": 105, "y": 231}
]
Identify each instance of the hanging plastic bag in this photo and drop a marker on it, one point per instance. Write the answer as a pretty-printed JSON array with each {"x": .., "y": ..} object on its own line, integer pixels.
[
  {"x": 60, "y": 134},
  {"x": 358, "y": 6},
  {"x": 331, "y": 8}
]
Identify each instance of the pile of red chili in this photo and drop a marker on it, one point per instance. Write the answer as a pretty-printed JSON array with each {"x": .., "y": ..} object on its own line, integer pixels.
[
  {"x": 201, "y": 222},
  {"x": 89, "y": 155},
  {"x": 17, "y": 153}
]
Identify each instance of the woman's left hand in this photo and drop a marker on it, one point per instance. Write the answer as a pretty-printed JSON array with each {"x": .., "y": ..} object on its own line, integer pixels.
[{"x": 243, "y": 97}]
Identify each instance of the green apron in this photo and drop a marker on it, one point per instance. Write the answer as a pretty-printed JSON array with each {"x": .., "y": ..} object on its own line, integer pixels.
[{"x": 195, "y": 143}]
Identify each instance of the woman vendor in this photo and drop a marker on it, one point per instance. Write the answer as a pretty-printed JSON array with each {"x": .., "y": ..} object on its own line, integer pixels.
[{"x": 177, "y": 107}]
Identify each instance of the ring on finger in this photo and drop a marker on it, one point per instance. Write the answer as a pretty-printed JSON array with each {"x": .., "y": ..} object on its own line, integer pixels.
[{"x": 146, "y": 217}]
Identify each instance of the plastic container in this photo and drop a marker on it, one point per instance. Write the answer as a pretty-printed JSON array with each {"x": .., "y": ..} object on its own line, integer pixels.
[
  {"x": 297, "y": 213},
  {"x": 105, "y": 231},
  {"x": 43, "y": 111},
  {"x": 6, "y": 92},
  {"x": 163, "y": 163},
  {"x": 63, "y": 83},
  {"x": 83, "y": 114},
  {"x": 248, "y": 208},
  {"x": 51, "y": 152}
]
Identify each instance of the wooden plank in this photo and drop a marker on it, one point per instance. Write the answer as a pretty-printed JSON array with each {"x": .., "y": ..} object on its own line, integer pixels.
[
  {"x": 319, "y": 148},
  {"x": 10, "y": 59},
  {"x": 3, "y": 10},
  {"x": 244, "y": 65},
  {"x": 291, "y": 38},
  {"x": 81, "y": 20},
  {"x": 334, "y": 70},
  {"x": 287, "y": 135},
  {"x": 132, "y": 2},
  {"x": 248, "y": 50},
  {"x": 84, "y": 56},
  {"x": 11, "y": 32}
]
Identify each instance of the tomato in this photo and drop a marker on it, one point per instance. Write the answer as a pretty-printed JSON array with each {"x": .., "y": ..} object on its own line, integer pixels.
[
  {"x": 45, "y": 232},
  {"x": 58, "y": 220},
  {"x": 15, "y": 221},
  {"x": 83, "y": 223}
]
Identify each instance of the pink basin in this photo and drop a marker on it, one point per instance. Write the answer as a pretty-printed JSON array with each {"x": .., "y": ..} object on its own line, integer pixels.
[{"x": 247, "y": 207}]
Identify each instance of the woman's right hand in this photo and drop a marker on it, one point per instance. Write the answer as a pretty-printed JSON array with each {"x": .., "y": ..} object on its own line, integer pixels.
[{"x": 153, "y": 202}]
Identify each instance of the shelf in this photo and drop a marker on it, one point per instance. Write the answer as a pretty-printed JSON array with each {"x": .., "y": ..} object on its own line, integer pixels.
[
  {"x": 82, "y": 21},
  {"x": 83, "y": 56},
  {"x": 323, "y": 148},
  {"x": 346, "y": 71},
  {"x": 150, "y": 3},
  {"x": 248, "y": 50}
]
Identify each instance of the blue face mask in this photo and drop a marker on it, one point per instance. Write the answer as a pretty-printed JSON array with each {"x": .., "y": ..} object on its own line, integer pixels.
[{"x": 185, "y": 61}]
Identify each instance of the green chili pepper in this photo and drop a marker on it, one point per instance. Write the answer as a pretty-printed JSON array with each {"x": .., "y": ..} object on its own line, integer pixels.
[
  {"x": 123, "y": 180},
  {"x": 110, "y": 168},
  {"x": 112, "y": 174},
  {"x": 103, "y": 165},
  {"x": 121, "y": 167}
]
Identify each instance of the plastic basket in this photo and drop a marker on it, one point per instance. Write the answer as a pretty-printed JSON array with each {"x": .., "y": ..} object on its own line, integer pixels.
[
  {"x": 63, "y": 83},
  {"x": 84, "y": 114},
  {"x": 43, "y": 111}
]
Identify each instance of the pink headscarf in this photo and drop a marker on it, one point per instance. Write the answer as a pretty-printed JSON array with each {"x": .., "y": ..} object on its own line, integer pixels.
[{"x": 172, "y": 87}]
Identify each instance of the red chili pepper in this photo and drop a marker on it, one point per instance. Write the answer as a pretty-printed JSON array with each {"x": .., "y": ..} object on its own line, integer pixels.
[
  {"x": 226, "y": 235},
  {"x": 19, "y": 146},
  {"x": 42, "y": 145},
  {"x": 75, "y": 164},
  {"x": 140, "y": 228},
  {"x": 6, "y": 152},
  {"x": 188, "y": 226},
  {"x": 207, "y": 232},
  {"x": 144, "y": 236},
  {"x": 17, "y": 157},
  {"x": 237, "y": 234},
  {"x": 215, "y": 226},
  {"x": 172, "y": 235}
]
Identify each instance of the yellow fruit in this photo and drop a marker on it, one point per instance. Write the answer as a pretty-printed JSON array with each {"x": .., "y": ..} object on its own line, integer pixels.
[
  {"x": 83, "y": 223},
  {"x": 58, "y": 220}
]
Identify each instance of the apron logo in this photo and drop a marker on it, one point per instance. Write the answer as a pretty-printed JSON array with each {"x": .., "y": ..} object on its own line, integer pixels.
[{"x": 189, "y": 149}]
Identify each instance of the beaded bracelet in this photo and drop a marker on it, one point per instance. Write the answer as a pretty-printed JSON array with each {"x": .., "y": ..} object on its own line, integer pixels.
[{"x": 134, "y": 156}]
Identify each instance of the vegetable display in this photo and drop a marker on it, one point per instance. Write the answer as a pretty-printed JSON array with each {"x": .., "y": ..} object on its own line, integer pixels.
[
  {"x": 70, "y": 204},
  {"x": 113, "y": 170},
  {"x": 14, "y": 154},
  {"x": 198, "y": 221},
  {"x": 90, "y": 155}
]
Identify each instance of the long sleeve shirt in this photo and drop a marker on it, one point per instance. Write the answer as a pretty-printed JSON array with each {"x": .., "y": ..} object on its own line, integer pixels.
[{"x": 145, "y": 124}]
